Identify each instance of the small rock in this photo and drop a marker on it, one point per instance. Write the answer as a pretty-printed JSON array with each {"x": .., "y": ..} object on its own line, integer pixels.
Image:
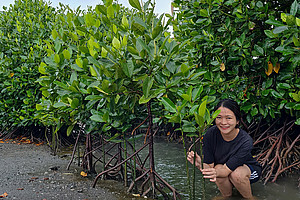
[{"x": 55, "y": 168}]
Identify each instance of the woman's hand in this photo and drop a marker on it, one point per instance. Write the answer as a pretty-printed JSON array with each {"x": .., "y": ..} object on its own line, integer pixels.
[
  {"x": 210, "y": 173},
  {"x": 190, "y": 158}
]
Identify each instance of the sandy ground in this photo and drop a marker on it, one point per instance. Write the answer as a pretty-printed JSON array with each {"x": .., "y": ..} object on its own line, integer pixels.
[{"x": 30, "y": 172}]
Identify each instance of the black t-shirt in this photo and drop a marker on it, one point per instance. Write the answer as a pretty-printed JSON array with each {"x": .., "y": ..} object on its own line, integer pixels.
[{"x": 233, "y": 153}]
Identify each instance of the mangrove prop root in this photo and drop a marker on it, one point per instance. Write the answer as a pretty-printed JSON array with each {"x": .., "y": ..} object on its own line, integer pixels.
[
  {"x": 111, "y": 169},
  {"x": 74, "y": 150},
  {"x": 279, "y": 154},
  {"x": 146, "y": 192},
  {"x": 151, "y": 181},
  {"x": 143, "y": 184},
  {"x": 137, "y": 179},
  {"x": 133, "y": 131},
  {"x": 175, "y": 193}
]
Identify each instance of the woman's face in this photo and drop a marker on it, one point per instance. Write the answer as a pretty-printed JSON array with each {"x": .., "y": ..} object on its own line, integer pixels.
[{"x": 226, "y": 122}]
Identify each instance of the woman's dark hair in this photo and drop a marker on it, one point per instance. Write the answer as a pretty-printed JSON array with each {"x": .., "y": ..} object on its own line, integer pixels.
[{"x": 231, "y": 105}]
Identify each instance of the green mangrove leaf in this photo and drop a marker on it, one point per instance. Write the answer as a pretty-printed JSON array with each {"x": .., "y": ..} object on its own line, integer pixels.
[
  {"x": 67, "y": 54},
  {"x": 294, "y": 8},
  {"x": 39, "y": 107},
  {"x": 215, "y": 114},
  {"x": 103, "y": 52},
  {"x": 147, "y": 85},
  {"x": 75, "y": 103},
  {"x": 143, "y": 44},
  {"x": 56, "y": 58},
  {"x": 203, "y": 13},
  {"x": 144, "y": 100},
  {"x": 110, "y": 12},
  {"x": 59, "y": 104},
  {"x": 128, "y": 68},
  {"x": 100, "y": 90},
  {"x": 136, "y": 4},
  {"x": 93, "y": 97},
  {"x": 186, "y": 97},
  {"x": 298, "y": 121},
  {"x": 280, "y": 29},
  {"x": 97, "y": 118},
  {"x": 101, "y": 9},
  {"x": 196, "y": 92},
  {"x": 283, "y": 17},
  {"x": 259, "y": 50},
  {"x": 202, "y": 109},
  {"x": 254, "y": 111},
  {"x": 70, "y": 129},
  {"x": 169, "y": 105},
  {"x": 42, "y": 69},
  {"x": 270, "y": 34},
  {"x": 61, "y": 85},
  {"x": 284, "y": 86},
  {"x": 108, "y": 2},
  {"x": 156, "y": 31},
  {"x": 175, "y": 119},
  {"x": 54, "y": 34},
  {"x": 116, "y": 43},
  {"x": 274, "y": 22},
  {"x": 199, "y": 119},
  {"x": 132, "y": 50},
  {"x": 93, "y": 71},
  {"x": 125, "y": 22},
  {"x": 75, "y": 67}
]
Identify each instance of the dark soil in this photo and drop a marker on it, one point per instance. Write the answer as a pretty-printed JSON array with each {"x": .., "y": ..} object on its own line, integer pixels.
[{"x": 28, "y": 171}]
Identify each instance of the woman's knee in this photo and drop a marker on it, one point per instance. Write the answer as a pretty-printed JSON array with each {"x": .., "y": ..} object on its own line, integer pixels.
[{"x": 240, "y": 175}]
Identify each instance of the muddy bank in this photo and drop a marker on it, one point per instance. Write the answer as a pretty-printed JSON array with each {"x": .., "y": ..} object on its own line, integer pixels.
[{"x": 28, "y": 171}]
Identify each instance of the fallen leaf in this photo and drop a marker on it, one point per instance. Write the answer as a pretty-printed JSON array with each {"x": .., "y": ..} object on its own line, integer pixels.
[
  {"x": 20, "y": 188},
  {"x": 4, "y": 195},
  {"x": 83, "y": 174},
  {"x": 38, "y": 144},
  {"x": 46, "y": 179}
]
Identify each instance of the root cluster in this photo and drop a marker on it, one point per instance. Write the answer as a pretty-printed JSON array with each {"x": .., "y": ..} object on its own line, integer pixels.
[{"x": 278, "y": 150}]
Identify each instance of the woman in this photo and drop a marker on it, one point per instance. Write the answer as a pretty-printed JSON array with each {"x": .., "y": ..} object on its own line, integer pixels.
[{"x": 227, "y": 155}]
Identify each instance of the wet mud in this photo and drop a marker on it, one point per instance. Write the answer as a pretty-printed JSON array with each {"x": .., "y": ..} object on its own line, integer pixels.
[{"x": 28, "y": 171}]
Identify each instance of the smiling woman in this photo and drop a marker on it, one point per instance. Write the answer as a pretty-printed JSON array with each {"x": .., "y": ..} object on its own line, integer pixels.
[{"x": 227, "y": 153}]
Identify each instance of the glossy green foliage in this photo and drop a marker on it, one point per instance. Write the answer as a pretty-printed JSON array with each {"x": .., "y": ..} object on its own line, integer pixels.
[
  {"x": 23, "y": 28},
  {"x": 104, "y": 65},
  {"x": 249, "y": 54}
]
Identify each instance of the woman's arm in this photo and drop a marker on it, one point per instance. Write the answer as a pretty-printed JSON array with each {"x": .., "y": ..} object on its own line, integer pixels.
[{"x": 213, "y": 172}]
